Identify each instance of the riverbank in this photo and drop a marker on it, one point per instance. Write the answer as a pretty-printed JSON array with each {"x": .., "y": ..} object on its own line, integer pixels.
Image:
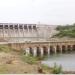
[
  {"x": 12, "y": 63},
  {"x": 15, "y": 62}
]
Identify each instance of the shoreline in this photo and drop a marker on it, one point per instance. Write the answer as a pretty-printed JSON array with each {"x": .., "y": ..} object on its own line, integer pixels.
[{"x": 12, "y": 62}]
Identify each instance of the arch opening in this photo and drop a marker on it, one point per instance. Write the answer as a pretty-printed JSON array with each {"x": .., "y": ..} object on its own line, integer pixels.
[
  {"x": 51, "y": 50},
  {"x": 63, "y": 49},
  {"x": 45, "y": 50},
  {"x": 38, "y": 51},
  {"x": 73, "y": 48},
  {"x": 16, "y": 26},
  {"x": 25, "y": 26},
  {"x": 69, "y": 48},
  {"x": 1, "y": 26},
  {"x": 31, "y": 51},
  {"x": 20, "y": 26},
  {"x": 58, "y": 49},
  {"x": 11, "y": 26}
]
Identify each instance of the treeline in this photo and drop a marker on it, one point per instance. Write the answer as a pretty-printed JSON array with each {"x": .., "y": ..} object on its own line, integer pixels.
[{"x": 66, "y": 31}]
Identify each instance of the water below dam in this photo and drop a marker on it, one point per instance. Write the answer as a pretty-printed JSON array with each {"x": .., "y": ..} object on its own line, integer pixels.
[{"x": 67, "y": 61}]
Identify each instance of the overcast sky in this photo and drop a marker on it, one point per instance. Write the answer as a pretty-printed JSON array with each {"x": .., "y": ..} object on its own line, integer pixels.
[{"x": 34, "y": 11}]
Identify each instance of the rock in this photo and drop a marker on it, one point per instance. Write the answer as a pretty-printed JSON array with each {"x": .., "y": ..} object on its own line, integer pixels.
[{"x": 9, "y": 62}]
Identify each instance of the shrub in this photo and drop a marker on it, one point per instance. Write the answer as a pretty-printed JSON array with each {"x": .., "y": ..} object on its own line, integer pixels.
[
  {"x": 57, "y": 69},
  {"x": 45, "y": 67},
  {"x": 68, "y": 31},
  {"x": 29, "y": 59}
]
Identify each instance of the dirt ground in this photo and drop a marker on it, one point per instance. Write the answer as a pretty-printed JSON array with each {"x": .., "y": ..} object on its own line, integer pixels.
[{"x": 10, "y": 63}]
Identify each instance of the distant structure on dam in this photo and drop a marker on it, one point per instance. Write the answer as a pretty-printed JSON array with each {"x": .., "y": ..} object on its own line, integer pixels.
[
  {"x": 34, "y": 39},
  {"x": 14, "y": 32}
]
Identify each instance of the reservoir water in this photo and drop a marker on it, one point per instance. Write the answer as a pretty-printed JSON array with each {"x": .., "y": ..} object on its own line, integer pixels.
[{"x": 67, "y": 61}]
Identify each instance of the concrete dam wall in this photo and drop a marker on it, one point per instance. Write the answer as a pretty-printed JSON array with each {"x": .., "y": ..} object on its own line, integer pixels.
[{"x": 25, "y": 32}]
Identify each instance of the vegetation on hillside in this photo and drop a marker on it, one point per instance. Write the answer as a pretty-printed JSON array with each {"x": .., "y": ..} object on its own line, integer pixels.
[{"x": 66, "y": 31}]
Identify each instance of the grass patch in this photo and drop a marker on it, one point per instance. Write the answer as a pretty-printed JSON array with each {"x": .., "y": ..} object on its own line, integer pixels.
[
  {"x": 31, "y": 59},
  {"x": 53, "y": 70},
  {"x": 57, "y": 69},
  {"x": 45, "y": 67},
  {"x": 3, "y": 69},
  {"x": 4, "y": 48}
]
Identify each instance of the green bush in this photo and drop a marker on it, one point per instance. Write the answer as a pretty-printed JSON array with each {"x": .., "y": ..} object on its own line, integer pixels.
[
  {"x": 29, "y": 59},
  {"x": 68, "y": 30},
  {"x": 57, "y": 69},
  {"x": 45, "y": 67}
]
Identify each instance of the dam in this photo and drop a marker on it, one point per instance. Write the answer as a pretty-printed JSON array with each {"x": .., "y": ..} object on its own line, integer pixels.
[{"x": 34, "y": 39}]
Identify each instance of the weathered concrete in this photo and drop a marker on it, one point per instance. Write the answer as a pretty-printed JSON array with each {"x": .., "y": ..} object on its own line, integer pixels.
[
  {"x": 26, "y": 36},
  {"x": 47, "y": 44}
]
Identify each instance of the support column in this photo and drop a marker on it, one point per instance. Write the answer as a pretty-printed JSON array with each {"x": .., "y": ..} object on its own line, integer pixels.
[
  {"x": 9, "y": 31},
  {"x": 3, "y": 32},
  {"x": 28, "y": 28},
  {"x": 48, "y": 51},
  {"x": 32, "y": 28},
  {"x": 14, "y": 31},
  {"x": 55, "y": 49},
  {"x": 42, "y": 52},
  {"x": 27, "y": 50},
  {"x": 18, "y": 32},
  {"x": 34, "y": 51},
  {"x": 23, "y": 30}
]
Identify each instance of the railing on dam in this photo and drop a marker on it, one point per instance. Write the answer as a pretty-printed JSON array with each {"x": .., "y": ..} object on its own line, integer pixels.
[{"x": 35, "y": 40}]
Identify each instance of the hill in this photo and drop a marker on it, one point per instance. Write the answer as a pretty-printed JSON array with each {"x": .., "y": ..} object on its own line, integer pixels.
[{"x": 65, "y": 31}]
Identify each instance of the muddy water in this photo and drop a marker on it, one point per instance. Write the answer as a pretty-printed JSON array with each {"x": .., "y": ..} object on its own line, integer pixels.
[{"x": 67, "y": 61}]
